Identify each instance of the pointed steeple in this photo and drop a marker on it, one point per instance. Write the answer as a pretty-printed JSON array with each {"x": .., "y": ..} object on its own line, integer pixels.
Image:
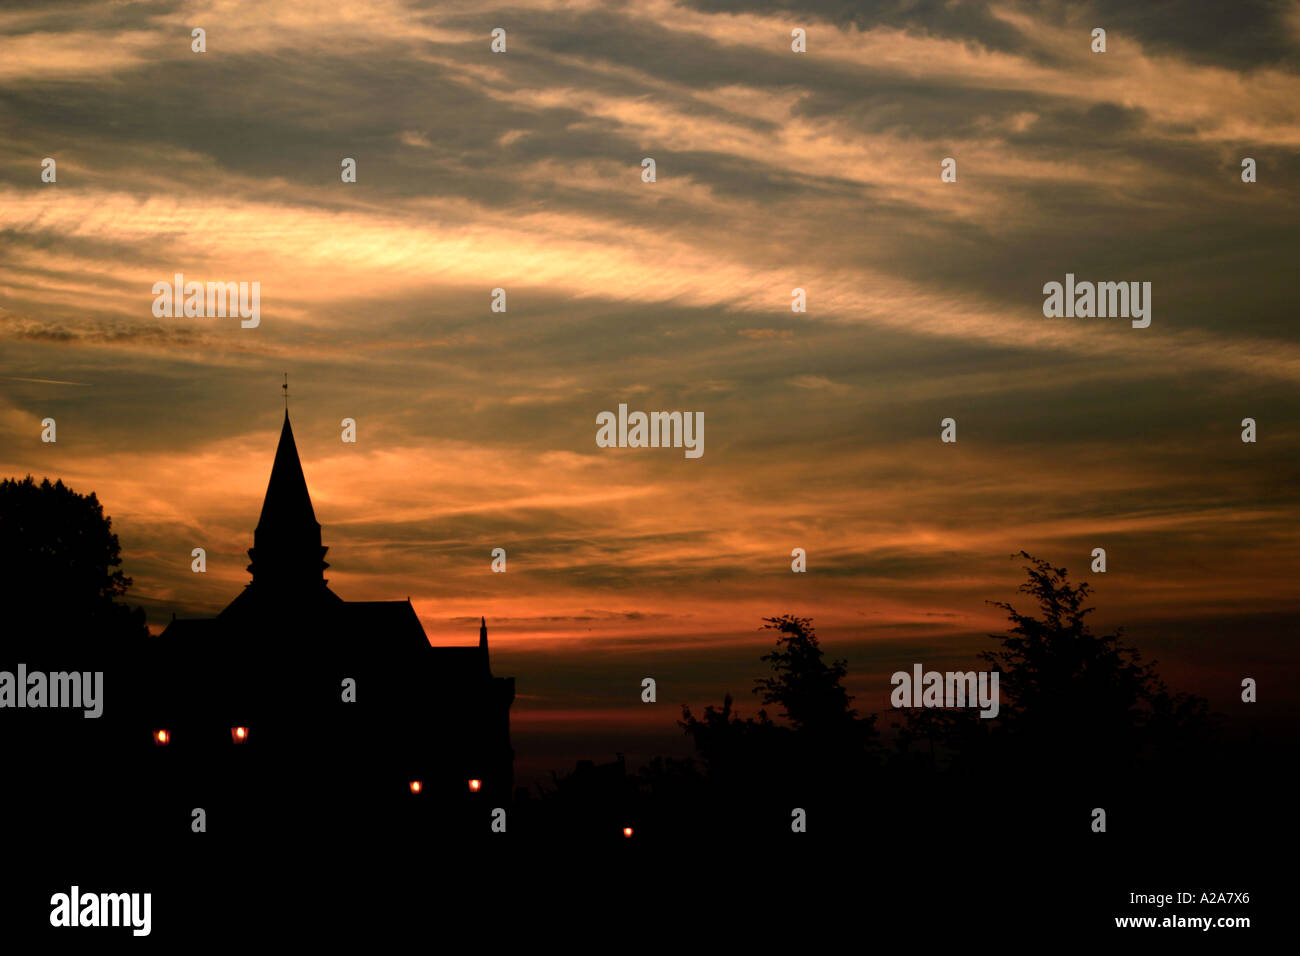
[
  {"x": 486, "y": 662},
  {"x": 286, "y": 543},
  {"x": 287, "y": 503}
]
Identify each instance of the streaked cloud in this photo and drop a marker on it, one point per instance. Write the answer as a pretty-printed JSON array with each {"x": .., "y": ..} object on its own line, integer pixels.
[{"x": 775, "y": 171}]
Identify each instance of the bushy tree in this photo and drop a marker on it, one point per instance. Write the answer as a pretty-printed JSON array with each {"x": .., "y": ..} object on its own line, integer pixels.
[
  {"x": 60, "y": 566},
  {"x": 806, "y": 688},
  {"x": 825, "y": 739},
  {"x": 1071, "y": 700}
]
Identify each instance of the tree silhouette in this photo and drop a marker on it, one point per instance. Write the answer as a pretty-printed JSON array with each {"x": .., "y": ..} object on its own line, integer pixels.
[
  {"x": 826, "y": 748},
  {"x": 1082, "y": 718},
  {"x": 806, "y": 686},
  {"x": 730, "y": 748},
  {"x": 60, "y": 585},
  {"x": 1071, "y": 700},
  {"x": 1073, "y": 692},
  {"x": 60, "y": 575}
]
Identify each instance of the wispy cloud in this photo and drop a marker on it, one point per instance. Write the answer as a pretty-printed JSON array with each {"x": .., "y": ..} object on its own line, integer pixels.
[{"x": 775, "y": 171}]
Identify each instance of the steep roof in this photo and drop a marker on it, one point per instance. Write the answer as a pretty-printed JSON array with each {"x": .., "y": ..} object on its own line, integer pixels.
[
  {"x": 287, "y": 550},
  {"x": 289, "y": 594},
  {"x": 396, "y": 620},
  {"x": 286, "y": 509}
]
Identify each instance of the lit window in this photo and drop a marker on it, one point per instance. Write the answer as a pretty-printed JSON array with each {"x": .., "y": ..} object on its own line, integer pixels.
[
  {"x": 475, "y": 786},
  {"x": 416, "y": 786},
  {"x": 162, "y": 738},
  {"x": 239, "y": 734},
  {"x": 627, "y": 831}
]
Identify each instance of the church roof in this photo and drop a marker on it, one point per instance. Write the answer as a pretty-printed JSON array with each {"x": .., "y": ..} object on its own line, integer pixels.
[
  {"x": 287, "y": 550},
  {"x": 195, "y": 628},
  {"x": 288, "y": 592},
  {"x": 287, "y": 505},
  {"x": 396, "y": 620}
]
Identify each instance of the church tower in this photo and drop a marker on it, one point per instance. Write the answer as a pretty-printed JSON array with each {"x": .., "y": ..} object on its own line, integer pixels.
[
  {"x": 287, "y": 553},
  {"x": 276, "y": 660}
]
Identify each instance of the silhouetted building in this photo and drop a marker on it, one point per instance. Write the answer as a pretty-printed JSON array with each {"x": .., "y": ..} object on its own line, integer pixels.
[{"x": 293, "y": 692}]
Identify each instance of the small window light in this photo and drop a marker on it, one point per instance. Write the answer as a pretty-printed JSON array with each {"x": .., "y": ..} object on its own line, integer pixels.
[
  {"x": 475, "y": 786},
  {"x": 627, "y": 831},
  {"x": 416, "y": 786},
  {"x": 162, "y": 738},
  {"x": 239, "y": 734}
]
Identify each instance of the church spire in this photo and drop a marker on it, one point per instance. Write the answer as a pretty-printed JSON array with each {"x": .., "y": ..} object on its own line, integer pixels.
[
  {"x": 287, "y": 542},
  {"x": 482, "y": 634}
]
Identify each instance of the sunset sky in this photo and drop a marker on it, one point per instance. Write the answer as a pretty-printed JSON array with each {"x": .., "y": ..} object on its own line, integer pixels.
[{"x": 775, "y": 170}]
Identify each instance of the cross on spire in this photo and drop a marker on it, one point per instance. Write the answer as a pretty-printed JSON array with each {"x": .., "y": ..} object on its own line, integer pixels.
[{"x": 285, "y": 386}]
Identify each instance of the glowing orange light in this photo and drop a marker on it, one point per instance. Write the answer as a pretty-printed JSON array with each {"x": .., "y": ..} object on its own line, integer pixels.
[
  {"x": 239, "y": 734},
  {"x": 475, "y": 785},
  {"x": 161, "y": 737},
  {"x": 416, "y": 786},
  {"x": 627, "y": 831}
]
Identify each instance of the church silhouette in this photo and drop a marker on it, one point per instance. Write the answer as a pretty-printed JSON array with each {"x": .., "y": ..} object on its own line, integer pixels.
[{"x": 294, "y": 701}]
